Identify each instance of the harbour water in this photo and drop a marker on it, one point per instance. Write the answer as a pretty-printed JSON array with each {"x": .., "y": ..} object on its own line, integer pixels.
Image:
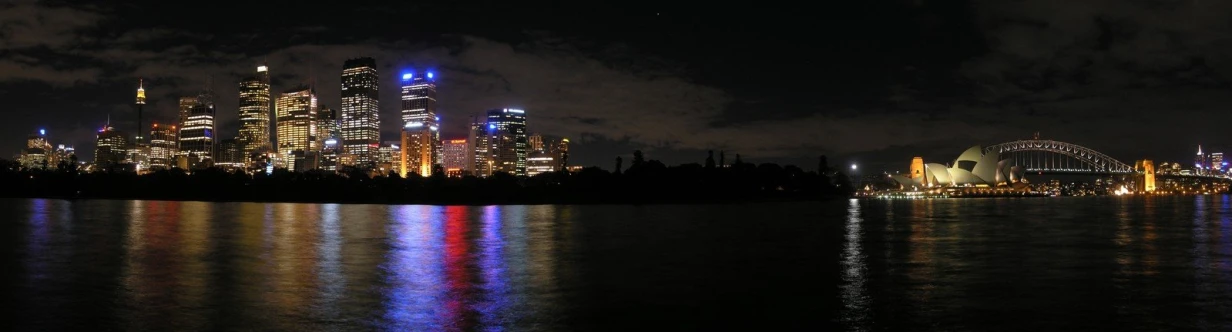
[{"x": 1080, "y": 263}]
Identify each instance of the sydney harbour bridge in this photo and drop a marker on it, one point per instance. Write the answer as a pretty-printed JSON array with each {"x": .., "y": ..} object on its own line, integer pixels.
[{"x": 1055, "y": 157}]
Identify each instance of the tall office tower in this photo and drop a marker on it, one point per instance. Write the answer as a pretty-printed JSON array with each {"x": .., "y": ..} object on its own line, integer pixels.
[
  {"x": 331, "y": 153},
  {"x": 38, "y": 153},
  {"x": 535, "y": 142},
  {"x": 389, "y": 156},
  {"x": 297, "y": 123},
  {"x": 65, "y": 154},
  {"x": 1200, "y": 161},
  {"x": 140, "y": 104},
  {"x": 454, "y": 153},
  {"x": 162, "y": 147},
  {"x": 254, "y": 136},
  {"x": 1217, "y": 164},
  {"x": 109, "y": 148},
  {"x": 539, "y": 162},
  {"x": 507, "y": 140},
  {"x": 186, "y": 105},
  {"x": 419, "y": 106},
  {"x": 327, "y": 124},
  {"x": 229, "y": 154},
  {"x": 562, "y": 155},
  {"x": 417, "y": 150},
  {"x": 477, "y": 158},
  {"x": 360, "y": 118},
  {"x": 197, "y": 136}
]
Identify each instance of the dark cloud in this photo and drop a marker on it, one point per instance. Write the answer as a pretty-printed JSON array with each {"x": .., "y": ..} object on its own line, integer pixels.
[{"x": 876, "y": 83}]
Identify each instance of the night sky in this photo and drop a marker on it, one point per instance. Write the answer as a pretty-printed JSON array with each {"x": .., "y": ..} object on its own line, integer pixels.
[{"x": 868, "y": 83}]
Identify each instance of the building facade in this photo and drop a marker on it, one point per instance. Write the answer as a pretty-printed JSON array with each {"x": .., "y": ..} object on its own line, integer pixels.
[
  {"x": 417, "y": 151},
  {"x": 197, "y": 136},
  {"x": 360, "y": 117},
  {"x": 454, "y": 153},
  {"x": 297, "y": 123},
  {"x": 254, "y": 113},
  {"x": 507, "y": 140},
  {"x": 109, "y": 148},
  {"x": 477, "y": 157},
  {"x": 419, "y": 106},
  {"x": 162, "y": 147}
]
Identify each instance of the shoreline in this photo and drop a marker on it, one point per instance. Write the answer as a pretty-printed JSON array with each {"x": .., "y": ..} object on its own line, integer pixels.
[{"x": 448, "y": 202}]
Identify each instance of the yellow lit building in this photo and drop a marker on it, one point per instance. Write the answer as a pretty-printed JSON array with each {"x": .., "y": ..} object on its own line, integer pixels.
[
  {"x": 417, "y": 150},
  {"x": 297, "y": 117}
]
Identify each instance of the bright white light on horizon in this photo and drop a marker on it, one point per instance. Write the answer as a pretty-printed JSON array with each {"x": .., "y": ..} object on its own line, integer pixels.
[
  {"x": 853, "y": 167},
  {"x": 262, "y": 68}
]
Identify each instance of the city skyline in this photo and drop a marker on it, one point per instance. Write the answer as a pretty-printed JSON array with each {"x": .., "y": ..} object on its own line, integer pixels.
[{"x": 944, "y": 76}]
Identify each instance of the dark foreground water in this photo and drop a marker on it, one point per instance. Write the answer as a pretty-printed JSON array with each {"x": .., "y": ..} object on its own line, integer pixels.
[{"x": 1036, "y": 264}]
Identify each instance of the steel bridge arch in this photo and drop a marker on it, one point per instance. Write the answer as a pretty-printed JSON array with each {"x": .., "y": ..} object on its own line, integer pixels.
[{"x": 1094, "y": 160}]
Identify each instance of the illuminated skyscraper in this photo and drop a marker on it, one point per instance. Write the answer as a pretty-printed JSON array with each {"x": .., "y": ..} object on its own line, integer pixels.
[
  {"x": 162, "y": 147},
  {"x": 507, "y": 144},
  {"x": 539, "y": 162},
  {"x": 1200, "y": 162},
  {"x": 417, "y": 150},
  {"x": 109, "y": 148},
  {"x": 1217, "y": 163},
  {"x": 229, "y": 154},
  {"x": 477, "y": 157},
  {"x": 562, "y": 155},
  {"x": 536, "y": 142},
  {"x": 454, "y": 155},
  {"x": 327, "y": 124},
  {"x": 186, "y": 105},
  {"x": 254, "y": 113},
  {"x": 360, "y": 121},
  {"x": 297, "y": 122},
  {"x": 197, "y": 136},
  {"x": 419, "y": 106},
  {"x": 38, "y": 153}
]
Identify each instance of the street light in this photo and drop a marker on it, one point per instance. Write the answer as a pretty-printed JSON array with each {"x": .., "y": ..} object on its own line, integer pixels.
[{"x": 853, "y": 167}]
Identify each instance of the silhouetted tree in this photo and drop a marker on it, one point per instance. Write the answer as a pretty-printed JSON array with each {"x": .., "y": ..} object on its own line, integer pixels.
[
  {"x": 738, "y": 162},
  {"x": 710, "y": 159},
  {"x": 638, "y": 160},
  {"x": 823, "y": 167},
  {"x": 618, "y": 162},
  {"x": 722, "y": 162}
]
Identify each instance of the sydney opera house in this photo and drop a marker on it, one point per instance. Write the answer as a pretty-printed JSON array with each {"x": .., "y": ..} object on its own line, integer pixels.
[{"x": 973, "y": 172}]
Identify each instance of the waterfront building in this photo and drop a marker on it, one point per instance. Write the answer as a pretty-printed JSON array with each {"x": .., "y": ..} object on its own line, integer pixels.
[
  {"x": 162, "y": 147},
  {"x": 297, "y": 124},
  {"x": 539, "y": 162},
  {"x": 507, "y": 140},
  {"x": 38, "y": 152},
  {"x": 973, "y": 168},
  {"x": 254, "y": 114},
  {"x": 478, "y": 160},
  {"x": 110, "y": 147},
  {"x": 360, "y": 116},
  {"x": 419, "y": 106},
  {"x": 535, "y": 142},
  {"x": 327, "y": 125},
  {"x": 417, "y": 153},
  {"x": 197, "y": 136},
  {"x": 1200, "y": 162},
  {"x": 229, "y": 154},
  {"x": 1217, "y": 164},
  {"x": 455, "y": 157},
  {"x": 562, "y": 155}
]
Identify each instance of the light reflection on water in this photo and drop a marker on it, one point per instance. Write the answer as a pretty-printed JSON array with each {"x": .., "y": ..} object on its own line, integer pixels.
[{"x": 1125, "y": 263}]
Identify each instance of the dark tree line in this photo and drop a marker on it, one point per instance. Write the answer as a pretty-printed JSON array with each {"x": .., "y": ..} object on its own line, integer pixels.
[{"x": 644, "y": 181}]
